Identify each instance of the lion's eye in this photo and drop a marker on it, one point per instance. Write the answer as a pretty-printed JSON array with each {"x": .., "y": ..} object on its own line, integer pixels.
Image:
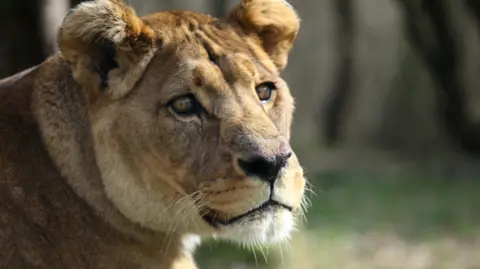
[
  {"x": 185, "y": 105},
  {"x": 265, "y": 91}
]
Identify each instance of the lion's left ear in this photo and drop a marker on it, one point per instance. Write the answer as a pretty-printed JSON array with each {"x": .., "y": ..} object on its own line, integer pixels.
[
  {"x": 275, "y": 22},
  {"x": 106, "y": 45}
]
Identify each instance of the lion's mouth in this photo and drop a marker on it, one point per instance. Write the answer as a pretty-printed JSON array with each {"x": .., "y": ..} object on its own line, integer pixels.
[{"x": 268, "y": 205}]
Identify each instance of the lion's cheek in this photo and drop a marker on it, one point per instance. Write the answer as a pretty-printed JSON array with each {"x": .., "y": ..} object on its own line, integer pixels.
[{"x": 234, "y": 197}]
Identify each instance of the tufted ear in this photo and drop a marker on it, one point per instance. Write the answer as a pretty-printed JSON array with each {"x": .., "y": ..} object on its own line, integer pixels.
[
  {"x": 106, "y": 45},
  {"x": 275, "y": 22}
]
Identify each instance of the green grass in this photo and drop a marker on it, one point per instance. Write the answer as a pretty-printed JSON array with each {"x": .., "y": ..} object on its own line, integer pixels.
[{"x": 374, "y": 220}]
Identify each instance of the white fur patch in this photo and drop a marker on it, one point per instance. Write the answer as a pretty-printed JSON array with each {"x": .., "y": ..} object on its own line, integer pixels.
[
  {"x": 191, "y": 242},
  {"x": 268, "y": 228}
]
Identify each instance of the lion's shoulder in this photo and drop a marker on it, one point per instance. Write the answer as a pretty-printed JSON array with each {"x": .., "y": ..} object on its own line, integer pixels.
[{"x": 16, "y": 121}]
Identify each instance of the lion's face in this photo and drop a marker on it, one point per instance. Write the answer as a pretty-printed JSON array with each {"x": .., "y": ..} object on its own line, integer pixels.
[{"x": 200, "y": 143}]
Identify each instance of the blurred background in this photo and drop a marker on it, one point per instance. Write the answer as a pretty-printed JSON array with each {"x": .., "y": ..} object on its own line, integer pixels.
[{"x": 387, "y": 127}]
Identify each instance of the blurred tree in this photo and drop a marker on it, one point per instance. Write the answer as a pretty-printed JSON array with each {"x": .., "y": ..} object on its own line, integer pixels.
[
  {"x": 28, "y": 32},
  {"x": 22, "y": 45},
  {"x": 429, "y": 29},
  {"x": 220, "y": 8},
  {"x": 474, "y": 7},
  {"x": 336, "y": 106},
  {"x": 73, "y": 3},
  {"x": 52, "y": 17}
]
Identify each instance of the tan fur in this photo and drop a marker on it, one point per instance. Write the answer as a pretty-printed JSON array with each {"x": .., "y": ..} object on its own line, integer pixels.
[
  {"x": 96, "y": 171},
  {"x": 274, "y": 22}
]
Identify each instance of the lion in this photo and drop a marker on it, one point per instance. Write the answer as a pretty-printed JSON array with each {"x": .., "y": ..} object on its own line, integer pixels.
[{"x": 143, "y": 135}]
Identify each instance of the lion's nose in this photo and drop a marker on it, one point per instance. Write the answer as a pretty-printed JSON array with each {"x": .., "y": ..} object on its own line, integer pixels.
[{"x": 266, "y": 168}]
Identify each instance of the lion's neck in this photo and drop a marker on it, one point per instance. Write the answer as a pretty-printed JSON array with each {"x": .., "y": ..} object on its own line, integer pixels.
[{"x": 60, "y": 110}]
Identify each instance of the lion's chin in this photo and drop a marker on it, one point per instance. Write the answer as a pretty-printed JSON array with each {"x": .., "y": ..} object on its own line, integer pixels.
[{"x": 263, "y": 228}]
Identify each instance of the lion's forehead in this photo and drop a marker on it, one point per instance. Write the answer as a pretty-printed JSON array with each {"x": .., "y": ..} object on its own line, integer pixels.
[{"x": 199, "y": 36}]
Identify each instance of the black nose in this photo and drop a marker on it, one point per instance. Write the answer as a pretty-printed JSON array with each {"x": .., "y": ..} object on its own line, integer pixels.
[{"x": 266, "y": 168}]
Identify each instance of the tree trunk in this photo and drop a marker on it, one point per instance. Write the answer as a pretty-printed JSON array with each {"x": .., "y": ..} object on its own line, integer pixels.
[
  {"x": 22, "y": 44},
  {"x": 219, "y": 8},
  {"x": 474, "y": 7},
  {"x": 429, "y": 31},
  {"x": 334, "y": 113},
  {"x": 52, "y": 17}
]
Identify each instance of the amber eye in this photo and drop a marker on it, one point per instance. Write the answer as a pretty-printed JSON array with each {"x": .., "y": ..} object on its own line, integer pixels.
[
  {"x": 184, "y": 106},
  {"x": 265, "y": 91}
]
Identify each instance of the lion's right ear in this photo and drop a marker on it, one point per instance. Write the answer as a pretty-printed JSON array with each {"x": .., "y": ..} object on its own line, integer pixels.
[{"x": 106, "y": 45}]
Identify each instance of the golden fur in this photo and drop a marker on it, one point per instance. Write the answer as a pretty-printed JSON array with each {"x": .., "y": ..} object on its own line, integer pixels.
[{"x": 97, "y": 169}]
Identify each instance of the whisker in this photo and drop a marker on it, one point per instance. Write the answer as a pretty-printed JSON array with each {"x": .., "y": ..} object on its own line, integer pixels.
[
  {"x": 282, "y": 260},
  {"x": 254, "y": 255},
  {"x": 175, "y": 219},
  {"x": 263, "y": 253}
]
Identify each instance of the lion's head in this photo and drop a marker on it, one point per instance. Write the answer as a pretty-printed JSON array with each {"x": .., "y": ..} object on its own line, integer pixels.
[{"x": 190, "y": 117}]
